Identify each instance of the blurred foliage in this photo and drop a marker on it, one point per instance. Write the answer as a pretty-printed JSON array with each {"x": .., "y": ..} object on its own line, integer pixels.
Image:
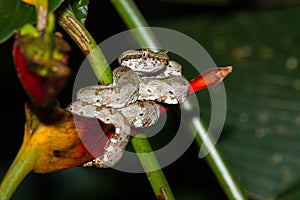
[{"x": 261, "y": 133}]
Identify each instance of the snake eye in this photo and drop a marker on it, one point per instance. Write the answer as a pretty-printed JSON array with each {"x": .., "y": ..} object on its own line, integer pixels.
[{"x": 145, "y": 54}]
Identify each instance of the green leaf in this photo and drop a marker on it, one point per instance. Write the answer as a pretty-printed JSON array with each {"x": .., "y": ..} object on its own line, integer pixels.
[
  {"x": 80, "y": 9},
  {"x": 15, "y": 13},
  {"x": 261, "y": 135}
]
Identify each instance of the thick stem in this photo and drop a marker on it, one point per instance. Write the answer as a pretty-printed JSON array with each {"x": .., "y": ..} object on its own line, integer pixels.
[
  {"x": 87, "y": 44},
  {"x": 19, "y": 169},
  {"x": 151, "y": 166},
  {"x": 134, "y": 19}
]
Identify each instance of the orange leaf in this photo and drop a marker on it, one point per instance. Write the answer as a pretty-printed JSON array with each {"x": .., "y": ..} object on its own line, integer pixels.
[{"x": 59, "y": 141}]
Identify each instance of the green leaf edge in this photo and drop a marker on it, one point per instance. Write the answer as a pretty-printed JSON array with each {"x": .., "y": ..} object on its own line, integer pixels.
[{"x": 52, "y": 7}]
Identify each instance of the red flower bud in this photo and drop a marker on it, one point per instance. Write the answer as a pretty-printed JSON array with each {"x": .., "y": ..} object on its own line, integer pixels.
[{"x": 42, "y": 71}]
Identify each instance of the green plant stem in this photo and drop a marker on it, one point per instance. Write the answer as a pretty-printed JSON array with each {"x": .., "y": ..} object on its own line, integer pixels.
[
  {"x": 19, "y": 169},
  {"x": 87, "y": 44},
  {"x": 151, "y": 166},
  {"x": 134, "y": 19},
  {"x": 216, "y": 162}
]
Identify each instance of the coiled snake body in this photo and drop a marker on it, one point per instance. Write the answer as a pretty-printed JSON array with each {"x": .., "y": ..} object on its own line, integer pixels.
[{"x": 142, "y": 80}]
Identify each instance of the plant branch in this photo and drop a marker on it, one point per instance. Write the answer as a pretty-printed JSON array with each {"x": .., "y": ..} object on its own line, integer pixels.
[
  {"x": 150, "y": 164},
  {"x": 87, "y": 44},
  {"x": 134, "y": 19},
  {"x": 19, "y": 169}
]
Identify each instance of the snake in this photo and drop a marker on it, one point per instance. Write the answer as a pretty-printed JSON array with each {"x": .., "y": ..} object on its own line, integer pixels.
[{"x": 143, "y": 80}]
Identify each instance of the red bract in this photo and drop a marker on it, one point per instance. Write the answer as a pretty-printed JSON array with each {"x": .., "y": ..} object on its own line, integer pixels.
[
  {"x": 209, "y": 78},
  {"x": 40, "y": 88}
]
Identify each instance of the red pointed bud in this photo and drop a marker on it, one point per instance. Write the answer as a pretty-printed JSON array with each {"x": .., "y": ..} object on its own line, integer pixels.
[{"x": 209, "y": 78}]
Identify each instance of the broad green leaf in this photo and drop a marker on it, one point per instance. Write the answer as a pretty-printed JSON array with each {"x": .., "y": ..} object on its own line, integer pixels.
[
  {"x": 15, "y": 13},
  {"x": 80, "y": 9},
  {"x": 261, "y": 135}
]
